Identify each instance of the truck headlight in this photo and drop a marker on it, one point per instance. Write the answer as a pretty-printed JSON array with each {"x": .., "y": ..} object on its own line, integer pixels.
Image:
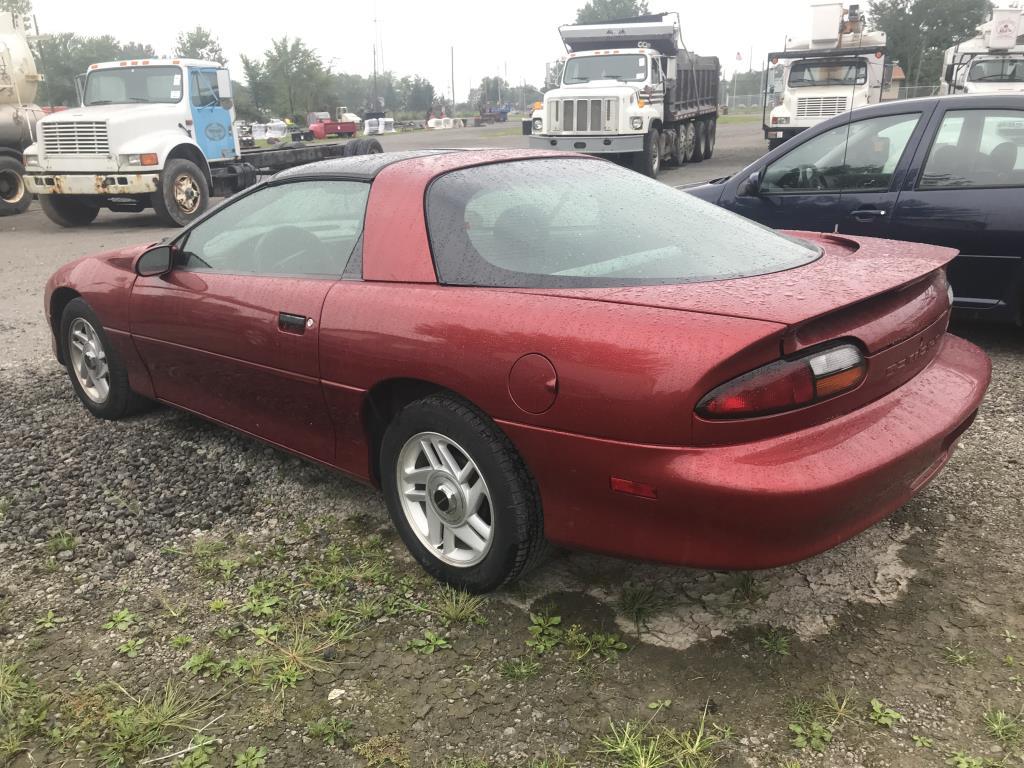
[
  {"x": 148, "y": 158},
  {"x": 636, "y": 123},
  {"x": 538, "y": 124}
]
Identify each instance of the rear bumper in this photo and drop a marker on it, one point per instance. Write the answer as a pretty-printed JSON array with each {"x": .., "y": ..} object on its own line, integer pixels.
[
  {"x": 92, "y": 184},
  {"x": 589, "y": 144},
  {"x": 765, "y": 503}
]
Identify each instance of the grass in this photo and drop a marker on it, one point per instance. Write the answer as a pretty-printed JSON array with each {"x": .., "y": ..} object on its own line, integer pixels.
[
  {"x": 453, "y": 606},
  {"x": 774, "y": 641},
  {"x": 517, "y": 670},
  {"x": 386, "y": 749},
  {"x": 640, "y": 603},
  {"x": 329, "y": 730},
  {"x": 61, "y": 541},
  {"x": 815, "y": 723},
  {"x": 636, "y": 744},
  {"x": 959, "y": 657},
  {"x": 1005, "y": 728}
]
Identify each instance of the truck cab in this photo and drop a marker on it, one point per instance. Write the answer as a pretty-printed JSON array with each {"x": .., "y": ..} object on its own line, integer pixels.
[
  {"x": 148, "y": 133},
  {"x": 991, "y": 62}
]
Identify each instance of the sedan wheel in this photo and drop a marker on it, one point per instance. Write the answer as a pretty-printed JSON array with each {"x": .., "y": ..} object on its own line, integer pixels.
[
  {"x": 89, "y": 360},
  {"x": 460, "y": 495}
]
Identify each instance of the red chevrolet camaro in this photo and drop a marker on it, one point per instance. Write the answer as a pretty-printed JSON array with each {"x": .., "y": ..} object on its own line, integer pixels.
[{"x": 523, "y": 347}]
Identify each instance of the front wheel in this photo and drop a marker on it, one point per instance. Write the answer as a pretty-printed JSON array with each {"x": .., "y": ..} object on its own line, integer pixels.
[
  {"x": 183, "y": 194},
  {"x": 68, "y": 210},
  {"x": 460, "y": 495},
  {"x": 14, "y": 197},
  {"x": 649, "y": 161}
]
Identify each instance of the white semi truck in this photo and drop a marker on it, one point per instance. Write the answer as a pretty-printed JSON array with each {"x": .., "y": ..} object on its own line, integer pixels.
[
  {"x": 629, "y": 88},
  {"x": 990, "y": 62},
  {"x": 840, "y": 67},
  {"x": 152, "y": 133},
  {"x": 19, "y": 81}
]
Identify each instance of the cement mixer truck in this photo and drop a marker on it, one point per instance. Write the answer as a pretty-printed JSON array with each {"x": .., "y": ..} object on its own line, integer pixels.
[
  {"x": 990, "y": 62},
  {"x": 19, "y": 81}
]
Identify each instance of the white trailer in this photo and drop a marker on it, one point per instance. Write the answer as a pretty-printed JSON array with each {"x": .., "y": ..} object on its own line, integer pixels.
[
  {"x": 839, "y": 68},
  {"x": 19, "y": 81},
  {"x": 990, "y": 62},
  {"x": 630, "y": 89}
]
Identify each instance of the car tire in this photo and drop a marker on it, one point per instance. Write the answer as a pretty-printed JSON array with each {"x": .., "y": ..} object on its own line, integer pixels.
[
  {"x": 710, "y": 129},
  {"x": 98, "y": 376},
  {"x": 648, "y": 162},
  {"x": 433, "y": 500},
  {"x": 14, "y": 195},
  {"x": 183, "y": 194},
  {"x": 68, "y": 210},
  {"x": 698, "y": 142}
]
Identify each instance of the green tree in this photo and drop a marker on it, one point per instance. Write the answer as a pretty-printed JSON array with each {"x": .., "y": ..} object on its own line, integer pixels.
[
  {"x": 199, "y": 43},
  {"x": 17, "y": 7},
  {"x": 918, "y": 31},
  {"x": 65, "y": 55},
  {"x": 596, "y": 11},
  {"x": 260, "y": 91},
  {"x": 297, "y": 77}
]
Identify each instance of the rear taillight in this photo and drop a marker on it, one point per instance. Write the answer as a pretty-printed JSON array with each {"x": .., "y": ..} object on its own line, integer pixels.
[{"x": 786, "y": 384}]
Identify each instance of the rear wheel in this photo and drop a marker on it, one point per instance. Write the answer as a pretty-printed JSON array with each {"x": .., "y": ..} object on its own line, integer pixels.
[
  {"x": 460, "y": 495},
  {"x": 14, "y": 197},
  {"x": 710, "y": 129},
  {"x": 68, "y": 210},
  {"x": 97, "y": 374},
  {"x": 698, "y": 141},
  {"x": 183, "y": 193},
  {"x": 648, "y": 162}
]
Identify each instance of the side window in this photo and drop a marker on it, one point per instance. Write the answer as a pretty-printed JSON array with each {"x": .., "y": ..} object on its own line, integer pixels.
[
  {"x": 655, "y": 72},
  {"x": 861, "y": 156},
  {"x": 977, "y": 148},
  {"x": 204, "y": 88},
  {"x": 302, "y": 228}
]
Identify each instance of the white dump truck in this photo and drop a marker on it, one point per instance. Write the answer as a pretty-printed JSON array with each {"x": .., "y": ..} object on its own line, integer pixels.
[
  {"x": 19, "y": 81},
  {"x": 990, "y": 62},
  {"x": 840, "y": 67},
  {"x": 153, "y": 133},
  {"x": 630, "y": 88}
]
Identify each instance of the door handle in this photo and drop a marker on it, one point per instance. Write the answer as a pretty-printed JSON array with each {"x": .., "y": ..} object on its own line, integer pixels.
[
  {"x": 868, "y": 213},
  {"x": 286, "y": 321}
]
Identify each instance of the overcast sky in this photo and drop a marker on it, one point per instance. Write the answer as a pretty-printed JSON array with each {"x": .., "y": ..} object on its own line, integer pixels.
[{"x": 415, "y": 36}]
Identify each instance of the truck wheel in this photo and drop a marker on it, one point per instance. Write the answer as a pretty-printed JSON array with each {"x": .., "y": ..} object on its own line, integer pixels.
[
  {"x": 698, "y": 141},
  {"x": 353, "y": 148},
  {"x": 648, "y": 162},
  {"x": 14, "y": 198},
  {"x": 710, "y": 129},
  {"x": 68, "y": 210},
  {"x": 183, "y": 194},
  {"x": 371, "y": 147}
]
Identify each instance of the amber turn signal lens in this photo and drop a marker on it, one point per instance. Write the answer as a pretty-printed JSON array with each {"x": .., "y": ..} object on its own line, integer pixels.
[{"x": 148, "y": 159}]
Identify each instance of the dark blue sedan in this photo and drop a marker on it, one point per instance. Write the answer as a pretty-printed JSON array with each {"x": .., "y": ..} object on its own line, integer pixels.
[{"x": 947, "y": 171}]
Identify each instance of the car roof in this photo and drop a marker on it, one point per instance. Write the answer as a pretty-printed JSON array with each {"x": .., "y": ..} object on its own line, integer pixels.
[
  {"x": 363, "y": 167},
  {"x": 966, "y": 100}
]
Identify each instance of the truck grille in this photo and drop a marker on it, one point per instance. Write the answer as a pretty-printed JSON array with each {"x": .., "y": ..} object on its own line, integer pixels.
[
  {"x": 584, "y": 115},
  {"x": 820, "y": 106},
  {"x": 79, "y": 138}
]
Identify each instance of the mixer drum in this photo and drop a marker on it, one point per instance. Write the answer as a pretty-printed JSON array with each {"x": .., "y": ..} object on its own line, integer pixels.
[{"x": 18, "y": 125}]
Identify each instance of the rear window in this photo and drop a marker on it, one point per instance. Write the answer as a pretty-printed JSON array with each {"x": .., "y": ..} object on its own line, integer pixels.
[{"x": 567, "y": 222}]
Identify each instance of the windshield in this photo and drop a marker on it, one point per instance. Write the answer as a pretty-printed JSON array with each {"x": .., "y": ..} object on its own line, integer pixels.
[
  {"x": 629, "y": 68},
  {"x": 133, "y": 85},
  {"x": 578, "y": 223},
  {"x": 998, "y": 71},
  {"x": 829, "y": 72}
]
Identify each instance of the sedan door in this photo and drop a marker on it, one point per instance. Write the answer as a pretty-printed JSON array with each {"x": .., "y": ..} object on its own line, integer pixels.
[
  {"x": 966, "y": 191},
  {"x": 232, "y": 331}
]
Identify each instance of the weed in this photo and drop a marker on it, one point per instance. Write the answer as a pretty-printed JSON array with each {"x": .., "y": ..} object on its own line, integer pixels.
[
  {"x": 176, "y": 612},
  {"x": 1005, "y": 728},
  {"x": 600, "y": 645},
  {"x": 545, "y": 632},
  {"x": 774, "y": 641},
  {"x": 368, "y": 608},
  {"x": 922, "y": 742},
  {"x": 253, "y": 757},
  {"x": 383, "y": 750},
  {"x": 814, "y": 734},
  {"x": 839, "y": 706},
  {"x": 640, "y": 603},
  {"x": 120, "y": 620},
  {"x": 659, "y": 704},
  {"x": 200, "y": 750},
  {"x": 181, "y": 641},
  {"x": 519, "y": 669},
  {"x": 260, "y": 606},
  {"x": 13, "y": 687},
  {"x": 882, "y": 715},
  {"x": 959, "y": 657},
  {"x": 428, "y": 644},
  {"x": 204, "y": 664},
  {"x": 746, "y": 588},
  {"x": 49, "y": 621},
  {"x": 454, "y": 606},
  {"x": 219, "y": 604},
  {"x": 131, "y": 647},
  {"x": 963, "y": 760},
  {"x": 815, "y": 723},
  {"x": 61, "y": 541},
  {"x": 225, "y": 634},
  {"x": 330, "y": 730},
  {"x": 228, "y": 568},
  {"x": 268, "y": 634}
]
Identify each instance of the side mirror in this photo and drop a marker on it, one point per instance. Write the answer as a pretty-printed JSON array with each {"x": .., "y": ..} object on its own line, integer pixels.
[
  {"x": 227, "y": 100},
  {"x": 949, "y": 73},
  {"x": 752, "y": 186},
  {"x": 155, "y": 262}
]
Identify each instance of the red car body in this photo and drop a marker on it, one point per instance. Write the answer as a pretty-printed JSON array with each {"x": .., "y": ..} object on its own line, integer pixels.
[{"x": 597, "y": 388}]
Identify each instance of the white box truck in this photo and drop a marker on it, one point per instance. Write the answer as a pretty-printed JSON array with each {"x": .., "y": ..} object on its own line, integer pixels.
[{"x": 990, "y": 62}]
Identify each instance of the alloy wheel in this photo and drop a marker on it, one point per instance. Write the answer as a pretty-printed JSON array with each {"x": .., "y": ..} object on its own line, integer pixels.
[{"x": 89, "y": 360}]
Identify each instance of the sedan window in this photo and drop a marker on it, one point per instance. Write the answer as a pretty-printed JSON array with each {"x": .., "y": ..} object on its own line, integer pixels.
[
  {"x": 977, "y": 148},
  {"x": 859, "y": 157},
  {"x": 576, "y": 222},
  {"x": 297, "y": 228}
]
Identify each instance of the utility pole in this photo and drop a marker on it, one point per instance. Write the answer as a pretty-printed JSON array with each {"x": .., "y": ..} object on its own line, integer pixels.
[{"x": 453, "y": 82}]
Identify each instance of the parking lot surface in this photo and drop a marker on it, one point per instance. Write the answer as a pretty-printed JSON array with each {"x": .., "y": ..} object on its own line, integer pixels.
[{"x": 278, "y": 598}]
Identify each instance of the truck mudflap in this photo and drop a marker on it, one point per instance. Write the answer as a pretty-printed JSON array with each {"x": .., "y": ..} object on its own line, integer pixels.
[
  {"x": 589, "y": 144},
  {"x": 90, "y": 184}
]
